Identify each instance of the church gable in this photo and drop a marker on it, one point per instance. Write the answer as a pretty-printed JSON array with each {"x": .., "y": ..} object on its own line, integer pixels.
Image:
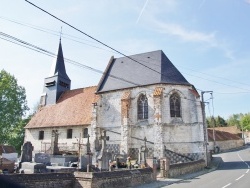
[{"x": 140, "y": 70}]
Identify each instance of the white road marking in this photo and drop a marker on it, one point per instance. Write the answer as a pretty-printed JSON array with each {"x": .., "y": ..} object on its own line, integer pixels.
[
  {"x": 227, "y": 185},
  {"x": 244, "y": 162},
  {"x": 240, "y": 177}
]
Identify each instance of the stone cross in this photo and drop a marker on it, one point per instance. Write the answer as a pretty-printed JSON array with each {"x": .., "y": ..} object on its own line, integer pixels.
[
  {"x": 104, "y": 157},
  {"x": 145, "y": 141},
  {"x": 144, "y": 152},
  {"x": 54, "y": 142},
  {"x": 88, "y": 146},
  {"x": 104, "y": 138}
]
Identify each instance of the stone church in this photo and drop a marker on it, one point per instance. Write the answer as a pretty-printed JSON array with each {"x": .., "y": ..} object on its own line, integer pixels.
[{"x": 142, "y": 101}]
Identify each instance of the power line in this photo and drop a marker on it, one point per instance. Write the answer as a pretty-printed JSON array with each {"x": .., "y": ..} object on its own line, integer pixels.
[
  {"x": 117, "y": 50},
  {"x": 93, "y": 37},
  {"x": 36, "y": 48},
  {"x": 216, "y": 76},
  {"x": 46, "y": 52},
  {"x": 53, "y": 32},
  {"x": 49, "y": 31}
]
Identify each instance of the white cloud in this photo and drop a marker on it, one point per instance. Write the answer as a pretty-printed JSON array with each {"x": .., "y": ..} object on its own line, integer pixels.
[
  {"x": 184, "y": 34},
  {"x": 247, "y": 1},
  {"x": 208, "y": 39}
]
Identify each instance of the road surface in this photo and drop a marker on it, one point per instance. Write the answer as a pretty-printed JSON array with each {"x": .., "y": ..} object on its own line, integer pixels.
[{"x": 233, "y": 172}]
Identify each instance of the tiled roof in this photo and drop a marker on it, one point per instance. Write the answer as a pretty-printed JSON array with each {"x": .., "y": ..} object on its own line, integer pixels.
[
  {"x": 73, "y": 108},
  {"x": 223, "y": 134},
  {"x": 7, "y": 149},
  {"x": 150, "y": 68}
]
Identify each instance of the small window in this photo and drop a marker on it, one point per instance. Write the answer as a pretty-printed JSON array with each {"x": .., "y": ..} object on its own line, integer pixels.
[
  {"x": 69, "y": 133},
  {"x": 41, "y": 135},
  {"x": 43, "y": 100},
  {"x": 85, "y": 133},
  {"x": 63, "y": 84},
  {"x": 142, "y": 107},
  {"x": 175, "y": 105}
]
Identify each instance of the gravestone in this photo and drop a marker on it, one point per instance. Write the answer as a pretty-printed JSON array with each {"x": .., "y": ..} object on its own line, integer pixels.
[
  {"x": 26, "y": 155},
  {"x": 42, "y": 158},
  {"x": 30, "y": 168},
  {"x": 63, "y": 160},
  {"x": 85, "y": 162}
]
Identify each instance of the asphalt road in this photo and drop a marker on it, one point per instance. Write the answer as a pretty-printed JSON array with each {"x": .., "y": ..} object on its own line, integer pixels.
[{"x": 233, "y": 172}]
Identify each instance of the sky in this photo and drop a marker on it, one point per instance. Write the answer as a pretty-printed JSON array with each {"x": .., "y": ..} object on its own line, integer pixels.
[{"x": 207, "y": 40}]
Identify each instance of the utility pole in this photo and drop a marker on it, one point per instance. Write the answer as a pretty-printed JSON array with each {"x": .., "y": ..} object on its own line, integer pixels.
[
  {"x": 213, "y": 122},
  {"x": 205, "y": 126}
]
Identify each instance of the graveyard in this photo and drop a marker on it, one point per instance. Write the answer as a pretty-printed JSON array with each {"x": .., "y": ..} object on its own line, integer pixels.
[{"x": 76, "y": 170}]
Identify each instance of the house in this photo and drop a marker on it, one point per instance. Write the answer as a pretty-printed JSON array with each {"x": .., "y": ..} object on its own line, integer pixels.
[
  {"x": 142, "y": 106},
  {"x": 224, "y": 138}
]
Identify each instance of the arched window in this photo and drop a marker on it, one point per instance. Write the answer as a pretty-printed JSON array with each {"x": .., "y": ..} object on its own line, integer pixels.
[
  {"x": 175, "y": 105},
  {"x": 142, "y": 107},
  {"x": 85, "y": 133}
]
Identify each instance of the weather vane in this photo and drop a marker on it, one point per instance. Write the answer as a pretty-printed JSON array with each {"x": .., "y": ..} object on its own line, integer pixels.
[{"x": 61, "y": 33}]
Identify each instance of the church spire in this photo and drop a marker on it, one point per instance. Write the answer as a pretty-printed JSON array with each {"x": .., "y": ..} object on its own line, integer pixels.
[
  {"x": 57, "y": 82},
  {"x": 58, "y": 68}
]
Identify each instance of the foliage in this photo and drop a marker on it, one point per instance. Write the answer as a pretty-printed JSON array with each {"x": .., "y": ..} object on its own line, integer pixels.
[
  {"x": 234, "y": 120},
  {"x": 16, "y": 137},
  {"x": 13, "y": 106},
  {"x": 245, "y": 122},
  {"x": 220, "y": 122},
  {"x": 242, "y": 121},
  {"x": 216, "y": 122}
]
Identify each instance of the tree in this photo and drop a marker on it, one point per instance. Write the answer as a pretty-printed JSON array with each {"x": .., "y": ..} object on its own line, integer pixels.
[
  {"x": 210, "y": 122},
  {"x": 245, "y": 122},
  {"x": 220, "y": 122},
  {"x": 13, "y": 106},
  {"x": 234, "y": 120}
]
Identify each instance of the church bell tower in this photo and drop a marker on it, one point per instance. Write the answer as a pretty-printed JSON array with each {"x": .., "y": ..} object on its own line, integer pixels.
[{"x": 57, "y": 82}]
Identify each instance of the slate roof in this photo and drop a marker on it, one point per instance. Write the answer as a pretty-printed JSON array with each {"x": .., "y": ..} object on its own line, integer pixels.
[
  {"x": 153, "y": 68},
  {"x": 73, "y": 108},
  {"x": 58, "y": 67}
]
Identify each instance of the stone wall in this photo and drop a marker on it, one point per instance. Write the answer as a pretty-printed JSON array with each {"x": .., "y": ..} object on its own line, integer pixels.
[
  {"x": 123, "y": 178},
  {"x": 65, "y": 180},
  {"x": 185, "y": 168},
  {"x": 226, "y": 145},
  {"x": 183, "y": 135}
]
